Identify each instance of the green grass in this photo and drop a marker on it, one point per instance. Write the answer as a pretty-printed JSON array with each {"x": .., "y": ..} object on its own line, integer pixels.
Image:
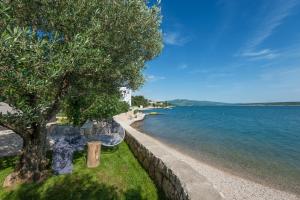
[{"x": 119, "y": 176}]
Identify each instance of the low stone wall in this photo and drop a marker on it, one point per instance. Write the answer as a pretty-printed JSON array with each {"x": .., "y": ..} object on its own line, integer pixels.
[
  {"x": 157, "y": 170},
  {"x": 175, "y": 178}
]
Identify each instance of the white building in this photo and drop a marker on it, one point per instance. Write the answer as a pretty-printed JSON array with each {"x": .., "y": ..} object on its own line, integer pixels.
[{"x": 126, "y": 95}]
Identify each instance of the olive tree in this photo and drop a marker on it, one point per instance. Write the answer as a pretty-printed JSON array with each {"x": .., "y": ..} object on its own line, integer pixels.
[
  {"x": 99, "y": 107},
  {"x": 51, "y": 50}
]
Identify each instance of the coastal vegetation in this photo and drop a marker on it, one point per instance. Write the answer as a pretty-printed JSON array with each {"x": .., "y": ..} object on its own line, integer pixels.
[
  {"x": 160, "y": 104},
  {"x": 73, "y": 55},
  {"x": 119, "y": 176},
  {"x": 142, "y": 101}
]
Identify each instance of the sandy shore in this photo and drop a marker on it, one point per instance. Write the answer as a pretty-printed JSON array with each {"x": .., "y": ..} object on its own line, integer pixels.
[{"x": 230, "y": 186}]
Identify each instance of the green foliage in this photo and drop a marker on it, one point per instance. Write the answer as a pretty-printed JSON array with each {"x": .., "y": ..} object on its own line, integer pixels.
[
  {"x": 139, "y": 101},
  {"x": 160, "y": 104},
  {"x": 51, "y": 51},
  {"x": 89, "y": 45},
  {"x": 105, "y": 107},
  {"x": 142, "y": 101},
  {"x": 96, "y": 107},
  {"x": 119, "y": 176},
  {"x": 165, "y": 104}
]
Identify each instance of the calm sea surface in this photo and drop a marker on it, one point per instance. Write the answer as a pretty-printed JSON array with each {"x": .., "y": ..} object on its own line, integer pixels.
[{"x": 259, "y": 143}]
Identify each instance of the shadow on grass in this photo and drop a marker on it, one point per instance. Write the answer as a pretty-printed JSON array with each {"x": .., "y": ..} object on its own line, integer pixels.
[
  {"x": 133, "y": 194},
  {"x": 6, "y": 162},
  {"x": 65, "y": 188},
  {"x": 79, "y": 155},
  {"x": 107, "y": 150},
  {"x": 71, "y": 188},
  {"x": 80, "y": 185}
]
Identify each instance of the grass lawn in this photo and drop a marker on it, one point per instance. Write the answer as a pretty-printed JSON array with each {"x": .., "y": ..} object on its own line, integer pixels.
[{"x": 119, "y": 176}]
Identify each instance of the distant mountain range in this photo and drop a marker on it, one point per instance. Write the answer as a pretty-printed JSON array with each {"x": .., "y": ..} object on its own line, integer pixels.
[
  {"x": 186, "y": 102},
  {"x": 272, "y": 104}
]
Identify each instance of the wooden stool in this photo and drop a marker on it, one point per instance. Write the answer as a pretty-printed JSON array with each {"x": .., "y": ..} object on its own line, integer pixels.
[{"x": 93, "y": 157}]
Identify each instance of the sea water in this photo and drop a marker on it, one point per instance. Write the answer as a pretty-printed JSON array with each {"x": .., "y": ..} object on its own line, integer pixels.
[{"x": 261, "y": 143}]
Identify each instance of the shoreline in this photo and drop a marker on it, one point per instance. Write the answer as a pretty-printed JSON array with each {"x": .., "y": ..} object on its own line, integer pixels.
[
  {"x": 219, "y": 165},
  {"x": 152, "y": 108},
  {"x": 229, "y": 185}
]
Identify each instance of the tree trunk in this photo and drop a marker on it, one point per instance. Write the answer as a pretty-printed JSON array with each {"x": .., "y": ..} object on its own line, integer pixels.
[
  {"x": 33, "y": 159},
  {"x": 93, "y": 158}
]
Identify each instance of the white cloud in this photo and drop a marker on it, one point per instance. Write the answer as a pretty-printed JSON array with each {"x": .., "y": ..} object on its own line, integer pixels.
[
  {"x": 261, "y": 54},
  {"x": 153, "y": 78},
  {"x": 257, "y": 53},
  {"x": 175, "y": 38},
  {"x": 274, "y": 17}
]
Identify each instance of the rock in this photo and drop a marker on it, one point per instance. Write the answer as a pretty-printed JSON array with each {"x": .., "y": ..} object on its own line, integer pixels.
[
  {"x": 14, "y": 178},
  {"x": 158, "y": 178},
  {"x": 11, "y": 180},
  {"x": 168, "y": 188}
]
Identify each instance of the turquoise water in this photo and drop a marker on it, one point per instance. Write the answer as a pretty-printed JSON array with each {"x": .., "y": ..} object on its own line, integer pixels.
[{"x": 259, "y": 143}]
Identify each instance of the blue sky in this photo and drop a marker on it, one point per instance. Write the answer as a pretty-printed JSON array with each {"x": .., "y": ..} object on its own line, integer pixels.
[{"x": 228, "y": 51}]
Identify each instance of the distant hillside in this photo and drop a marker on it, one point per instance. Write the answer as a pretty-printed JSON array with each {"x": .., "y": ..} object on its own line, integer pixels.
[
  {"x": 186, "y": 102},
  {"x": 272, "y": 104}
]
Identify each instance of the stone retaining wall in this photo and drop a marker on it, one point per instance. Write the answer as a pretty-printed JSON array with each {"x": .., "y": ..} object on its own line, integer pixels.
[
  {"x": 157, "y": 170},
  {"x": 177, "y": 179}
]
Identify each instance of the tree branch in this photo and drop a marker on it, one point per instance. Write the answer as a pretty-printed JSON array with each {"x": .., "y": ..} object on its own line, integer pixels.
[
  {"x": 60, "y": 93},
  {"x": 8, "y": 127},
  {"x": 16, "y": 130}
]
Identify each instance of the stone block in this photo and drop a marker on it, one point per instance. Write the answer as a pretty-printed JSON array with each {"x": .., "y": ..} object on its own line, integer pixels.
[
  {"x": 168, "y": 188},
  {"x": 158, "y": 178}
]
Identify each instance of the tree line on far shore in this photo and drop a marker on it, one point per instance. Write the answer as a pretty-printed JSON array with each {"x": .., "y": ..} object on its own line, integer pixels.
[{"x": 144, "y": 102}]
